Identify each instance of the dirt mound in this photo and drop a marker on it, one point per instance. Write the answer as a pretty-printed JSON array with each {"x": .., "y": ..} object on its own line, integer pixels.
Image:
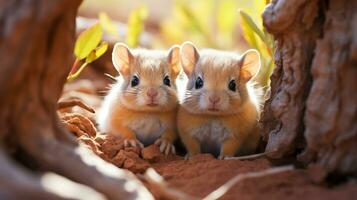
[{"x": 202, "y": 174}]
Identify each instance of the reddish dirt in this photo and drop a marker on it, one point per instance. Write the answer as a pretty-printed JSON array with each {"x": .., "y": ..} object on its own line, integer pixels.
[{"x": 202, "y": 174}]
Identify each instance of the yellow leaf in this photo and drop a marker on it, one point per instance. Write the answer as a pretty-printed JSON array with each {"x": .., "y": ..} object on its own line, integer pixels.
[
  {"x": 136, "y": 25},
  {"x": 247, "y": 19},
  {"x": 87, "y": 41},
  {"x": 108, "y": 25},
  {"x": 97, "y": 52},
  {"x": 249, "y": 35}
]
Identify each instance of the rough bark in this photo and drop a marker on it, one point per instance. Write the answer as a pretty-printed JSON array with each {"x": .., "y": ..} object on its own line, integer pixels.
[
  {"x": 331, "y": 114},
  {"x": 36, "y": 38},
  {"x": 314, "y": 86},
  {"x": 295, "y": 26}
]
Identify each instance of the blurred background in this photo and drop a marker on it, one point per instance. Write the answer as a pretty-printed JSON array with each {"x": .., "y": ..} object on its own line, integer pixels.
[{"x": 234, "y": 25}]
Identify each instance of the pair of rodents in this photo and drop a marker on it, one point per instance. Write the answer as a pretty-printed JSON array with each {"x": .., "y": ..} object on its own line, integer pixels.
[{"x": 218, "y": 112}]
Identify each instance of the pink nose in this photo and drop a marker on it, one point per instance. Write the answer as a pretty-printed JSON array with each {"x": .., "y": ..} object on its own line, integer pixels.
[
  {"x": 214, "y": 99},
  {"x": 152, "y": 93}
]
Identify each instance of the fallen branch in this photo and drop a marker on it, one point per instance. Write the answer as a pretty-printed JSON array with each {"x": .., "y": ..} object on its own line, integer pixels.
[
  {"x": 228, "y": 185},
  {"x": 74, "y": 102},
  {"x": 249, "y": 157}
]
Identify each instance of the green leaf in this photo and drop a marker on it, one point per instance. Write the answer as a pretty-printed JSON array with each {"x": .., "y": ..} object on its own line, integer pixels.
[
  {"x": 87, "y": 41},
  {"x": 246, "y": 18},
  {"x": 136, "y": 25},
  {"x": 97, "y": 52}
]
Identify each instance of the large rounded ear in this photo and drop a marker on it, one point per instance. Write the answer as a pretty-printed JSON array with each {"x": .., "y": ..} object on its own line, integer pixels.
[
  {"x": 249, "y": 65},
  {"x": 173, "y": 58},
  {"x": 189, "y": 57},
  {"x": 122, "y": 58}
]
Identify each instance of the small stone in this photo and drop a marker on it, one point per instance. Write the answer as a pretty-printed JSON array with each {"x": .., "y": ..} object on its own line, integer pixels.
[
  {"x": 136, "y": 165},
  {"x": 100, "y": 139},
  {"x": 152, "y": 153},
  {"x": 135, "y": 150},
  {"x": 111, "y": 146},
  {"x": 119, "y": 159}
]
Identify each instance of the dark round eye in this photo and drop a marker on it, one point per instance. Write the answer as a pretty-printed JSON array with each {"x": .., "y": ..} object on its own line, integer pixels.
[
  {"x": 167, "y": 81},
  {"x": 134, "y": 81},
  {"x": 232, "y": 85},
  {"x": 199, "y": 83}
]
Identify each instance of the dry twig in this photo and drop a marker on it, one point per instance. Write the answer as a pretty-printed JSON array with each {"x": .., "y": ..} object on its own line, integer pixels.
[
  {"x": 74, "y": 102},
  {"x": 228, "y": 185},
  {"x": 249, "y": 157}
]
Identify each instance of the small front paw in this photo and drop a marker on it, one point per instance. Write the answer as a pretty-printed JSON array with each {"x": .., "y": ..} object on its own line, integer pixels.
[
  {"x": 166, "y": 147},
  {"x": 189, "y": 155},
  {"x": 133, "y": 143},
  {"x": 224, "y": 157}
]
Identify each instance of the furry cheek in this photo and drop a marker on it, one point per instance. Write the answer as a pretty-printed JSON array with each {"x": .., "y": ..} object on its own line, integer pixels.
[
  {"x": 128, "y": 100},
  {"x": 224, "y": 103},
  {"x": 203, "y": 102},
  {"x": 235, "y": 103},
  {"x": 162, "y": 98},
  {"x": 141, "y": 99}
]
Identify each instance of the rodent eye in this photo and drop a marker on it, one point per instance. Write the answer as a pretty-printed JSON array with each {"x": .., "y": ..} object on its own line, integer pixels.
[
  {"x": 199, "y": 83},
  {"x": 167, "y": 81},
  {"x": 232, "y": 85},
  {"x": 134, "y": 81}
]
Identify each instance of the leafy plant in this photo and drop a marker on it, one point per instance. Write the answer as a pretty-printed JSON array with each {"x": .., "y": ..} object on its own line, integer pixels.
[
  {"x": 108, "y": 25},
  {"x": 218, "y": 24},
  {"x": 259, "y": 39},
  {"x": 88, "y": 48},
  {"x": 209, "y": 23},
  {"x": 136, "y": 25}
]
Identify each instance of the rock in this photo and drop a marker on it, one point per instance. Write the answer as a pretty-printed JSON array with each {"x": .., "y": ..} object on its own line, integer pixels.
[
  {"x": 152, "y": 153},
  {"x": 119, "y": 159},
  {"x": 135, "y": 150},
  {"x": 111, "y": 146},
  {"x": 130, "y": 160},
  {"x": 136, "y": 165}
]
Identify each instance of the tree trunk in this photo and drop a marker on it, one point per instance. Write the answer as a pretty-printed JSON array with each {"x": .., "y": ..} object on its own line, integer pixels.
[
  {"x": 314, "y": 86},
  {"x": 36, "y": 42}
]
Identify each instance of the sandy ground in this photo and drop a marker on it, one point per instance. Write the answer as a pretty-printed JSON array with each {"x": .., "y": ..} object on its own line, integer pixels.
[{"x": 201, "y": 174}]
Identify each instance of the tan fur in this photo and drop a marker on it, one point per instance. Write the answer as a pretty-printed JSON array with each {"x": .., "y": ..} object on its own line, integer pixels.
[
  {"x": 232, "y": 127},
  {"x": 126, "y": 111}
]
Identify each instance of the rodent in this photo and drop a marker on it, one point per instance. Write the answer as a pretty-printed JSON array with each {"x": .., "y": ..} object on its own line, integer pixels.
[
  {"x": 141, "y": 106},
  {"x": 220, "y": 108}
]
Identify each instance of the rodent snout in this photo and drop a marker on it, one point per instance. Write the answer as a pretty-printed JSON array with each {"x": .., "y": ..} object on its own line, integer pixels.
[
  {"x": 214, "y": 99},
  {"x": 152, "y": 93}
]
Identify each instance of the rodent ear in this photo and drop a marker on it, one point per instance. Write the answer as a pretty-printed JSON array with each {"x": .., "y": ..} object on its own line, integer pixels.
[
  {"x": 174, "y": 60},
  {"x": 122, "y": 58},
  {"x": 189, "y": 57},
  {"x": 249, "y": 65}
]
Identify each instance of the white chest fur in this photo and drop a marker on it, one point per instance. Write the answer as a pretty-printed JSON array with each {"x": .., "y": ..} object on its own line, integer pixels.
[
  {"x": 211, "y": 136},
  {"x": 147, "y": 129}
]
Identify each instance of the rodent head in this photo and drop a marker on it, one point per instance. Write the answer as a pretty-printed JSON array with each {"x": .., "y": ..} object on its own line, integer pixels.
[
  {"x": 217, "y": 80},
  {"x": 148, "y": 77}
]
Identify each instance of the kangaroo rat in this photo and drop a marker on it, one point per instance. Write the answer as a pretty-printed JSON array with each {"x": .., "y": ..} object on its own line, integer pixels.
[
  {"x": 220, "y": 110},
  {"x": 141, "y": 106}
]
